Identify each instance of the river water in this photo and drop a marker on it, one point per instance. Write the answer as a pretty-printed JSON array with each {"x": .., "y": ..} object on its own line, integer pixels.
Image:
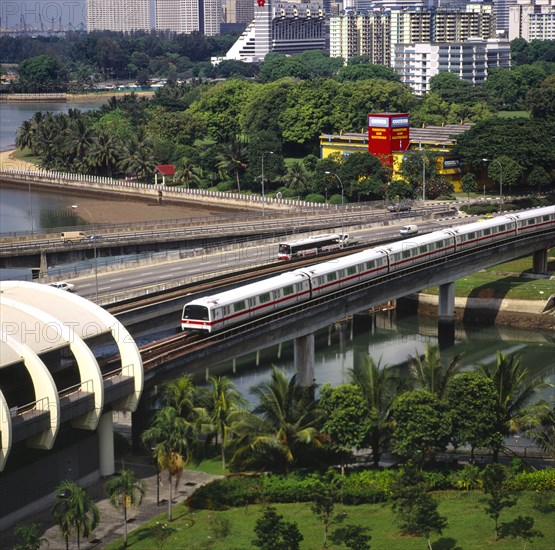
[{"x": 392, "y": 338}]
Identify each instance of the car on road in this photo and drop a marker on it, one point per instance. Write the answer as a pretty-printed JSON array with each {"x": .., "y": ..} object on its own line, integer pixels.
[
  {"x": 399, "y": 208},
  {"x": 62, "y": 285},
  {"x": 94, "y": 238}
]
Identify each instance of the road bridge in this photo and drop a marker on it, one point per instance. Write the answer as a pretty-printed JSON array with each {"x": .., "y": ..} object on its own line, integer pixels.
[{"x": 41, "y": 253}]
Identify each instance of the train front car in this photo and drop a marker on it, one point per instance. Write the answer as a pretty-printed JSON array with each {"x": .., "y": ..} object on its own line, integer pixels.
[{"x": 243, "y": 303}]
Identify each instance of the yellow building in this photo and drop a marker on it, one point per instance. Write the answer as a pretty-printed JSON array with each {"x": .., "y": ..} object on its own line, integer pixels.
[{"x": 439, "y": 139}]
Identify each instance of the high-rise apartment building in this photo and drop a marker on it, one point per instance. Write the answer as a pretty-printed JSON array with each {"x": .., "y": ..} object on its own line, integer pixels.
[
  {"x": 282, "y": 27},
  {"x": 375, "y": 33},
  {"x": 532, "y": 20},
  {"x": 501, "y": 9},
  {"x": 239, "y": 11},
  {"x": 187, "y": 16},
  {"x": 118, "y": 15},
  {"x": 470, "y": 60}
]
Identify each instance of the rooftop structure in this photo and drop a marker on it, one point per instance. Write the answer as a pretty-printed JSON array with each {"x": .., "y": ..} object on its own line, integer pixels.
[{"x": 57, "y": 391}]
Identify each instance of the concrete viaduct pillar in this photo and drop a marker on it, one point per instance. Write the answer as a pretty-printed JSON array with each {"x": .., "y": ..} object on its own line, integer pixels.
[
  {"x": 105, "y": 431},
  {"x": 304, "y": 359},
  {"x": 539, "y": 260},
  {"x": 446, "y": 315}
]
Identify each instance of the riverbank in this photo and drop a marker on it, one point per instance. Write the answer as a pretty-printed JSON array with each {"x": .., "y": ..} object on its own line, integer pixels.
[
  {"x": 9, "y": 161},
  {"x": 100, "y": 97}
]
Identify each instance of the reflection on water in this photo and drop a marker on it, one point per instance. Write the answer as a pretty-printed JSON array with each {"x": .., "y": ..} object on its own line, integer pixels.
[{"x": 392, "y": 339}]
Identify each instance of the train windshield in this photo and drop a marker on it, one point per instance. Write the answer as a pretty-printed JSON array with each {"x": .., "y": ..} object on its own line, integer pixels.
[
  {"x": 284, "y": 249},
  {"x": 195, "y": 312}
]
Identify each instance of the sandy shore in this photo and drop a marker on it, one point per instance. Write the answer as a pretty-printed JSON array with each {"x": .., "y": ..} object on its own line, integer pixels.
[
  {"x": 9, "y": 162},
  {"x": 112, "y": 209}
]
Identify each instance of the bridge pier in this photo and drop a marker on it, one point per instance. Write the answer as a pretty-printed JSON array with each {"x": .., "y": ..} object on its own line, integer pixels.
[
  {"x": 105, "y": 431},
  {"x": 446, "y": 315},
  {"x": 139, "y": 422},
  {"x": 539, "y": 261},
  {"x": 304, "y": 360}
]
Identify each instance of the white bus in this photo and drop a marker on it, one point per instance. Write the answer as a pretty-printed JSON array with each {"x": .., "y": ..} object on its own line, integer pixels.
[{"x": 311, "y": 246}]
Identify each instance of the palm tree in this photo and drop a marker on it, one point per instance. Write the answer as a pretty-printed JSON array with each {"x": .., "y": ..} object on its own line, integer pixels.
[
  {"x": 180, "y": 394},
  {"x": 25, "y": 135},
  {"x": 430, "y": 373},
  {"x": 103, "y": 153},
  {"x": 297, "y": 176},
  {"x": 137, "y": 158},
  {"x": 224, "y": 403},
  {"x": 188, "y": 173},
  {"x": 79, "y": 139},
  {"x": 380, "y": 387},
  {"x": 233, "y": 157},
  {"x": 543, "y": 433},
  {"x": 284, "y": 421},
  {"x": 518, "y": 406},
  {"x": 125, "y": 490},
  {"x": 169, "y": 437},
  {"x": 73, "y": 510}
]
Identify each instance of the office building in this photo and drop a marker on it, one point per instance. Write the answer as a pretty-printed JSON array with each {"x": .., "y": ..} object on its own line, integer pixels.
[
  {"x": 118, "y": 15},
  {"x": 281, "y": 27},
  {"x": 187, "y": 16}
]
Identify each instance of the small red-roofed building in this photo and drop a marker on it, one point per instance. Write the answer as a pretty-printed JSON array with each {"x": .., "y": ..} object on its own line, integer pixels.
[{"x": 164, "y": 170}]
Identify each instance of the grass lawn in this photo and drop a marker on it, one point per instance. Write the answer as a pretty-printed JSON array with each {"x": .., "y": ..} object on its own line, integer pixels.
[
  {"x": 469, "y": 528},
  {"x": 513, "y": 114},
  {"x": 26, "y": 155},
  {"x": 506, "y": 281}
]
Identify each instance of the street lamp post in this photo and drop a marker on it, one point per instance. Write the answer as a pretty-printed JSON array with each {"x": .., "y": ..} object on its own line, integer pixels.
[
  {"x": 263, "y": 199},
  {"x": 31, "y": 209},
  {"x": 423, "y": 178},
  {"x": 75, "y": 207},
  {"x": 342, "y": 203},
  {"x": 500, "y": 182}
]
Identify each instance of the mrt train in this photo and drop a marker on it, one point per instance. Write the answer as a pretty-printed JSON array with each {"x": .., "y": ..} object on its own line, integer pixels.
[{"x": 247, "y": 302}]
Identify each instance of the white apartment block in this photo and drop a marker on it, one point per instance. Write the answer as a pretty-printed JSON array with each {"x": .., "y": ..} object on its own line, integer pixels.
[
  {"x": 532, "y": 20},
  {"x": 375, "y": 33},
  {"x": 118, "y": 15},
  {"x": 470, "y": 60},
  {"x": 281, "y": 27},
  {"x": 187, "y": 16},
  {"x": 501, "y": 10}
]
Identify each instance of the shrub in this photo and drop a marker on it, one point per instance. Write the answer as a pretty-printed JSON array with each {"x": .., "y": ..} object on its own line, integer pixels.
[
  {"x": 230, "y": 491},
  {"x": 539, "y": 480},
  {"x": 316, "y": 197},
  {"x": 336, "y": 199},
  {"x": 368, "y": 486},
  {"x": 225, "y": 186},
  {"x": 287, "y": 193}
]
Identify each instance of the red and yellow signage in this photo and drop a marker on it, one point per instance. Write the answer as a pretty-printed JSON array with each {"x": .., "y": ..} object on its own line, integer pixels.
[{"x": 388, "y": 132}]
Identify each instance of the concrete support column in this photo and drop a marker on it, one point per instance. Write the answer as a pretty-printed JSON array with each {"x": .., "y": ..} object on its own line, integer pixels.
[
  {"x": 539, "y": 264},
  {"x": 43, "y": 268},
  {"x": 304, "y": 359},
  {"x": 105, "y": 432},
  {"x": 446, "y": 315},
  {"x": 139, "y": 423}
]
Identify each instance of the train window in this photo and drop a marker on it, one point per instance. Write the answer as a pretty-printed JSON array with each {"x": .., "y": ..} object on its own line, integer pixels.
[
  {"x": 288, "y": 290},
  {"x": 406, "y": 253},
  {"x": 369, "y": 266},
  {"x": 239, "y": 306},
  {"x": 487, "y": 231},
  {"x": 331, "y": 276},
  {"x": 196, "y": 312},
  {"x": 351, "y": 270},
  {"x": 299, "y": 287},
  {"x": 320, "y": 280},
  {"x": 264, "y": 297},
  {"x": 227, "y": 310}
]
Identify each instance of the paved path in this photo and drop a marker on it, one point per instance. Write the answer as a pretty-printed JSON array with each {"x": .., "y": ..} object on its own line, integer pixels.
[{"x": 111, "y": 520}]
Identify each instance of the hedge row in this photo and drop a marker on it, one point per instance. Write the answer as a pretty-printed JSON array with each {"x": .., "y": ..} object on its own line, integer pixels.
[{"x": 364, "y": 487}]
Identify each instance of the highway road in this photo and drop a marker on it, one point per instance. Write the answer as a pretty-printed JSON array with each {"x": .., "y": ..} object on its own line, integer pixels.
[{"x": 127, "y": 282}]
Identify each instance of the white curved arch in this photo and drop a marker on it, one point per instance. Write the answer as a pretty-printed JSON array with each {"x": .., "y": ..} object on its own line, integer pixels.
[
  {"x": 86, "y": 361},
  {"x": 5, "y": 431},
  {"x": 131, "y": 361},
  {"x": 46, "y": 393}
]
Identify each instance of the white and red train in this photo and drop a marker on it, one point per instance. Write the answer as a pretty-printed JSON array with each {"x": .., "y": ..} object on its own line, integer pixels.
[{"x": 232, "y": 307}]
